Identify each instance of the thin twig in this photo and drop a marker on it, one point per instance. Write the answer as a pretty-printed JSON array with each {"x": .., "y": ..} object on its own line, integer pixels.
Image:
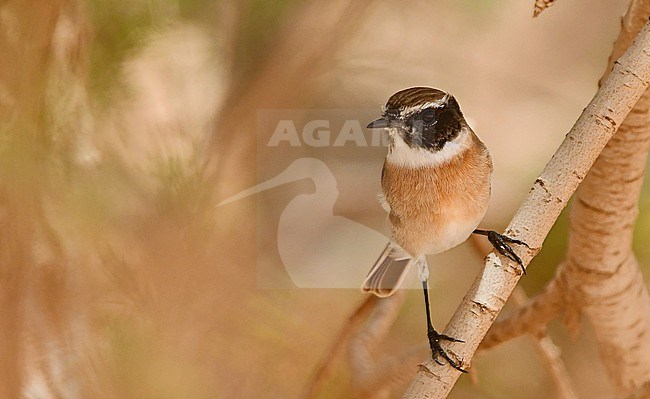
[
  {"x": 550, "y": 355},
  {"x": 364, "y": 345}
]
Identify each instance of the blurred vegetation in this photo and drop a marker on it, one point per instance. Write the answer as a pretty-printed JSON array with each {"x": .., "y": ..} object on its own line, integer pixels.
[
  {"x": 117, "y": 30},
  {"x": 261, "y": 22}
]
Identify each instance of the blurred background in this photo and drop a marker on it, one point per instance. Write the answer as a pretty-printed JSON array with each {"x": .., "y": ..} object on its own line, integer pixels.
[{"x": 124, "y": 124}]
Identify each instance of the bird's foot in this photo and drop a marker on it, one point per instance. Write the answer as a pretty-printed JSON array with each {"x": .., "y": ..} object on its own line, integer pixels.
[
  {"x": 500, "y": 243},
  {"x": 437, "y": 352}
]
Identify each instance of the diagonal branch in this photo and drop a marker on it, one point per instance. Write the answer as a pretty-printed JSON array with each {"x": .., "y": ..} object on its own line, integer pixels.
[
  {"x": 531, "y": 317},
  {"x": 532, "y": 222}
]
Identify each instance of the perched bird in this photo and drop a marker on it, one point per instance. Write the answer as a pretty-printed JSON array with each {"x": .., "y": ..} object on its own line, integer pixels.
[{"x": 436, "y": 188}]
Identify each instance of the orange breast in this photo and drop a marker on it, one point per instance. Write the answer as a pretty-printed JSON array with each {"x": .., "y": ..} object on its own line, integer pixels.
[{"x": 433, "y": 209}]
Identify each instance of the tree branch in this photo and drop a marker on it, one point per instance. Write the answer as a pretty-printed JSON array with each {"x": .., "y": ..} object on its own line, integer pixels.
[
  {"x": 534, "y": 219},
  {"x": 530, "y": 318},
  {"x": 532, "y": 315},
  {"x": 601, "y": 270}
]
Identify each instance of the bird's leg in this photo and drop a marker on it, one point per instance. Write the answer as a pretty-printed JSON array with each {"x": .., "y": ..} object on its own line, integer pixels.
[
  {"x": 434, "y": 336},
  {"x": 500, "y": 243}
]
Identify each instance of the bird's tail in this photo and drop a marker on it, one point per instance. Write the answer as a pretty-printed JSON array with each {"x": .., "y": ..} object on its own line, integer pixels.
[{"x": 388, "y": 272}]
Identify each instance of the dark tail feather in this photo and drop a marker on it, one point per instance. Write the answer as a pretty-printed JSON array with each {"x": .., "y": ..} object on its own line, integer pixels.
[{"x": 388, "y": 272}]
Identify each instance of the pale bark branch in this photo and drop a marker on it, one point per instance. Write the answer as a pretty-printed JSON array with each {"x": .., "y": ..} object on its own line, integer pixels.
[
  {"x": 602, "y": 273},
  {"x": 530, "y": 318},
  {"x": 534, "y": 219},
  {"x": 601, "y": 270}
]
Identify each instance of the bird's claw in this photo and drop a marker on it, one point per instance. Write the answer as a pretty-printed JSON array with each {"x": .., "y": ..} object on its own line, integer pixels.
[
  {"x": 500, "y": 243},
  {"x": 437, "y": 352}
]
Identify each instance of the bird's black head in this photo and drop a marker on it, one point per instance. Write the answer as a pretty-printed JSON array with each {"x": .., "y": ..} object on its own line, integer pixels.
[{"x": 423, "y": 117}]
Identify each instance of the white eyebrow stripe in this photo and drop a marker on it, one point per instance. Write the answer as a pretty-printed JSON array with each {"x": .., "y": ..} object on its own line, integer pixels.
[
  {"x": 430, "y": 104},
  {"x": 408, "y": 111}
]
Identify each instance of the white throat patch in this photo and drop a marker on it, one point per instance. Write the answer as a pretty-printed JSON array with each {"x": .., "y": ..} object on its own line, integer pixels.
[{"x": 400, "y": 154}]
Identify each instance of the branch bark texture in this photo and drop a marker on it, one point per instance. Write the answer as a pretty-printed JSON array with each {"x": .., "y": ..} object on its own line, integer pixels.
[
  {"x": 532, "y": 222},
  {"x": 530, "y": 318},
  {"x": 604, "y": 279}
]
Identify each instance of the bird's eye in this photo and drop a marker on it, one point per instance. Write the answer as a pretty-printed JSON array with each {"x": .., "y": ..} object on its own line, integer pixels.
[{"x": 428, "y": 116}]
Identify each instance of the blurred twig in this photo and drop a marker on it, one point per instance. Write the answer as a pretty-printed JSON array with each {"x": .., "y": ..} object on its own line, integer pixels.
[
  {"x": 550, "y": 355},
  {"x": 366, "y": 328},
  {"x": 372, "y": 375},
  {"x": 306, "y": 47},
  {"x": 324, "y": 368}
]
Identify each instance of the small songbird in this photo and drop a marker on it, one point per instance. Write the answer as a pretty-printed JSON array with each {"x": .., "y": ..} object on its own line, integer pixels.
[{"x": 436, "y": 188}]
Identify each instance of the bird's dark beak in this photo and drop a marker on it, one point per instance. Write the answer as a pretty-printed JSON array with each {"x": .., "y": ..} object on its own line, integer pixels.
[{"x": 378, "y": 123}]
